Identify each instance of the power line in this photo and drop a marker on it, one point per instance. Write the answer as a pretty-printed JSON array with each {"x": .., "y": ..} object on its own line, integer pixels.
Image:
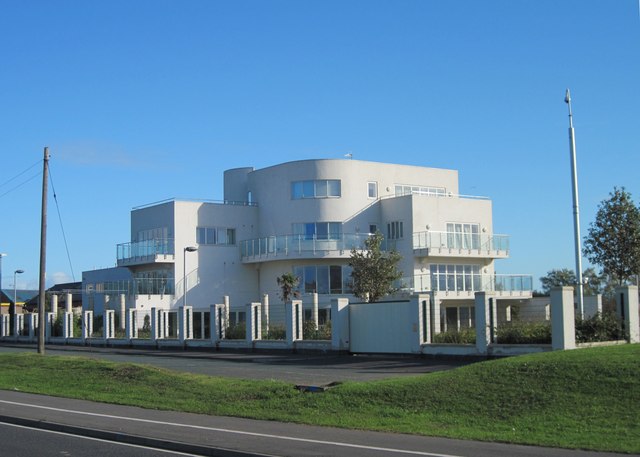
[
  {"x": 19, "y": 174},
  {"x": 64, "y": 237},
  {"x": 21, "y": 184}
]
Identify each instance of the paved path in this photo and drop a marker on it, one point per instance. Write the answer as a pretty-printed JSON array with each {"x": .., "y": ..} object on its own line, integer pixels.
[
  {"x": 306, "y": 369},
  {"x": 226, "y": 436}
]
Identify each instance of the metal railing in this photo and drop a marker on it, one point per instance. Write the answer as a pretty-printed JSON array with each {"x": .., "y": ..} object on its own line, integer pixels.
[
  {"x": 147, "y": 248},
  {"x": 138, "y": 286},
  {"x": 460, "y": 241},
  {"x": 284, "y": 245}
]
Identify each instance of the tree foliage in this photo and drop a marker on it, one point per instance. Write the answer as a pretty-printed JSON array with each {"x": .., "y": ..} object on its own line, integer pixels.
[
  {"x": 374, "y": 271},
  {"x": 613, "y": 241},
  {"x": 288, "y": 284},
  {"x": 593, "y": 282}
]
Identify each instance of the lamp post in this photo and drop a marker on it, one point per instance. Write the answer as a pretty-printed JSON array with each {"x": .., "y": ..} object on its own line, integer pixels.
[
  {"x": 576, "y": 210},
  {"x": 2, "y": 254},
  {"x": 15, "y": 295},
  {"x": 184, "y": 272}
]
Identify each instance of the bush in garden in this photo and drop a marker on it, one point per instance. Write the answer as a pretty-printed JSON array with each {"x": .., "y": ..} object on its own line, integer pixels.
[{"x": 600, "y": 327}]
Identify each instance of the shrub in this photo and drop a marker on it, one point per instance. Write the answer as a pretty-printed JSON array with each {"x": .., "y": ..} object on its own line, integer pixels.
[
  {"x": 236, "y": 332},
  {"x": 309, "y": 331},
  {"x": 524, "y": 333},
  {"x": 464, "y": 336},
  {"x": 276, "y": 332},
  {"x": 58, "y": 325},
  {"x": 600, "y": 327}
]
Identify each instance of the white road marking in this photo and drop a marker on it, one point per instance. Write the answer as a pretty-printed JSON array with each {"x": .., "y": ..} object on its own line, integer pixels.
[
  {"x": 155, "y": 449},
  {"x": 237, "y": 432}
]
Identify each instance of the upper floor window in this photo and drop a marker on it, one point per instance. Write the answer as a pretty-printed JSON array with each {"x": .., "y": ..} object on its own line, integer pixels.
[
  {"x": 216, "y": 236},
  {"x": 318, "y": 230},
  {"x": 395, "y": 230},
  {"x": 403, "y": 189},
  {"x": 319, "y": 188},
  {"x": 372, "y": 189},
  {"x": 160, "y": 233},
  {"x": 463, "y": 236}
]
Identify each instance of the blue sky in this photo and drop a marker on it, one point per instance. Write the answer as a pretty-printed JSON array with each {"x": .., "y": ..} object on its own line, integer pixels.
[{"x": 147, "y": 100}]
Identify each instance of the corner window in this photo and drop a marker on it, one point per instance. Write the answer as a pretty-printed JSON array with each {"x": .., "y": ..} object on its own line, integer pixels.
[
  {"x": 395, "y": 230},
  {"x": 221, "y": 236},
  {"x": 372, "y": 189}
]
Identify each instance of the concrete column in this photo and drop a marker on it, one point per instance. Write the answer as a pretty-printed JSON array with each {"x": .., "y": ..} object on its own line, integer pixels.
[
  {"x": 87, "y": 324},
  {"x": 486, "y": 317},
  {"x": 592, "y": 305},
  {"x": 314, "y": 310},
  {"x": 18, "y": 324},
  {"x": 4, "y": 324},
  {"x": 154, "y": 324},
  {"x": 218, "y": 325},
  {"x": 294, "y": 312},
  {"x": 419, "y": 327},
  {"x": 253, "y": 312},
  {"x": 227, "y": 306},
  {"x": 340, "y": 324},
  {"x": 265, "y": 312},
  {"x": 108, "y": 330},
  {"x": 435, "y": 314},
  {"x": 69, "y": 303},
  {"x": 123, "y": 311},
  {"x": 67, "y": 324},
  {"x": 32, "y": 324},
  {"x": 185, "y": 323},
  {"x": 50, "y": 318},
  {"x": 627, "y": 308},
  {"x": 563, "y": 328},
  {"x": 131, "y": 327},
  {"x": 54, "y": 304}
]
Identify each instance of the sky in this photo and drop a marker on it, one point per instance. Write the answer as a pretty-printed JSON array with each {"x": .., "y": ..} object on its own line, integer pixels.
[{"x": 141, "y": 101}]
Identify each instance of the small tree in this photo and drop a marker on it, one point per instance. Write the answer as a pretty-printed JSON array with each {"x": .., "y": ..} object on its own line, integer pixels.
[
  {"x": 593, "y": 282},
  {"x": 613, "y": 241},
  {"x": 374, "y": 271},
  {"x": 288, "y": 284}
]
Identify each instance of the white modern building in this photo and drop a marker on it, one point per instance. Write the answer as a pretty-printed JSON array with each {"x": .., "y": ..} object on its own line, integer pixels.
[{"x": 305, "y": 217}]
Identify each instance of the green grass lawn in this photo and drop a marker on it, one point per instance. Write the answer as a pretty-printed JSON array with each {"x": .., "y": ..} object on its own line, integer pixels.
[{"x": 586, "y": 398}]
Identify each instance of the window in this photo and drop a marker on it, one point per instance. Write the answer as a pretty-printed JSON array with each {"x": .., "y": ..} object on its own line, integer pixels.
[
  {"x": 404, "y": 189},
  {"x": 161, "y": 233},
  {"x": 463, "y": 236},
  {"x": 395, "y": 230},
  {"x": 323, "y": 279},
  {"x": 320, "y": 188},
  {"x": 372, "y": 189},
  {"x": 318, "y": 230},
  {"x": 221, "y": 236},
  {"x": 456, "y": 278},
  {"x": 373, "y": 228}
]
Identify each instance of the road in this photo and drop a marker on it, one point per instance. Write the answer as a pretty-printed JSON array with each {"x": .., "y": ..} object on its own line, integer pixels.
[{"x": 227, "y": 436}]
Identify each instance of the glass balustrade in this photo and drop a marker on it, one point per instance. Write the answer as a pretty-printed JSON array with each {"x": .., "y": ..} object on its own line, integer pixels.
[
  {"x": 461, "y": 241},
  {"x": 454, "y": 282},
  {"x": 147, "y": 248}
]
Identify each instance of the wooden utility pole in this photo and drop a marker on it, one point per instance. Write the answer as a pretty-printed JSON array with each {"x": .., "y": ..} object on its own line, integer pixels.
[{"x": 43, "y": 254}]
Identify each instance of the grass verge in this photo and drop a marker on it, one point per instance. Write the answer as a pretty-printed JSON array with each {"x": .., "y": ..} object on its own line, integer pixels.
[{"x": 587, "y": 398}]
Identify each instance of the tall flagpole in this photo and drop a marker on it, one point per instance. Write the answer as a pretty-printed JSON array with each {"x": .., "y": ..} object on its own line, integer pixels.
[
  {"x": 43, "y": 254},
  {"x": 576, "y": 210}
]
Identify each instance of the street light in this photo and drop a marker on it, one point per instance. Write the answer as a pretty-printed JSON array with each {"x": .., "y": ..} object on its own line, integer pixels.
[
  {"x": 2, "y": 254},
  {"x": 184, "y": 272},
  {"x": 15, "y": 294}
]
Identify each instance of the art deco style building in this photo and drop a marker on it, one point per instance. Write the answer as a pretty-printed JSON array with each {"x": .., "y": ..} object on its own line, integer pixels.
[{"x": 305, "y": 217}]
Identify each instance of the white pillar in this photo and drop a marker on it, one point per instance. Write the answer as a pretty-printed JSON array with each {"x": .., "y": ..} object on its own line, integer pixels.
[
  {"x": 108, "y": 321},
  {"x": 435, "y": 314},
  {"x": 627, "y": 307},
  {"x": 87, "y": 324},
  {"x": 486, "y": 317},
  {"x": 67, "y": 324},
  {"x": 32, "y": 323},
  {"x": 253, "y": 322},
  {"x": 18, "y": 324},
  {"x": 50, "y": 319},
  {"x": 218, "y": 324},
  {"x": 154, "y": 324},
  {"x": 294, "y": 312},
  {"x": 592, "y": 305},
  {"x": 314, "y": 310},
  {"x": 227, "y": 306},
  {"x": 340, "y": 324},
  {"x": 265, "y": 312},
  {"x": 419, "y": 328},
  {"x": 69, "y": 303},
  {"x": 131, "y": 327},
  {"x": 123, "y": 311},
  {"x": 185, "y": 323},
  {"x": 54, "y": 304},
  {"x": 563, "y": 329}
]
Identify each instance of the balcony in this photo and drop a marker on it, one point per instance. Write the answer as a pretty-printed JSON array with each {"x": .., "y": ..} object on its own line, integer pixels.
[
  {"x": 303, "y": 247},
  {"x": 455, "y": 244},
  {"x": 146, "y": 252},
  {"x": 466, "y": 285},
  {"x": 138, "y": 286}
]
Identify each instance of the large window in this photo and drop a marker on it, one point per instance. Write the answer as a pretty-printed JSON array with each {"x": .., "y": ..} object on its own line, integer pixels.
[
  {"x": 324, "y": 279},
  {"x": 319, "y": 188},
  {"x": 221, "y": 236},
  {"x": 463, "y": 236},
  {"x": 404, "y": 189},
  {"x": 318, "y": 230},
  {"x": 456, "y": 278},
  {"x": 160, "y": 233}
]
